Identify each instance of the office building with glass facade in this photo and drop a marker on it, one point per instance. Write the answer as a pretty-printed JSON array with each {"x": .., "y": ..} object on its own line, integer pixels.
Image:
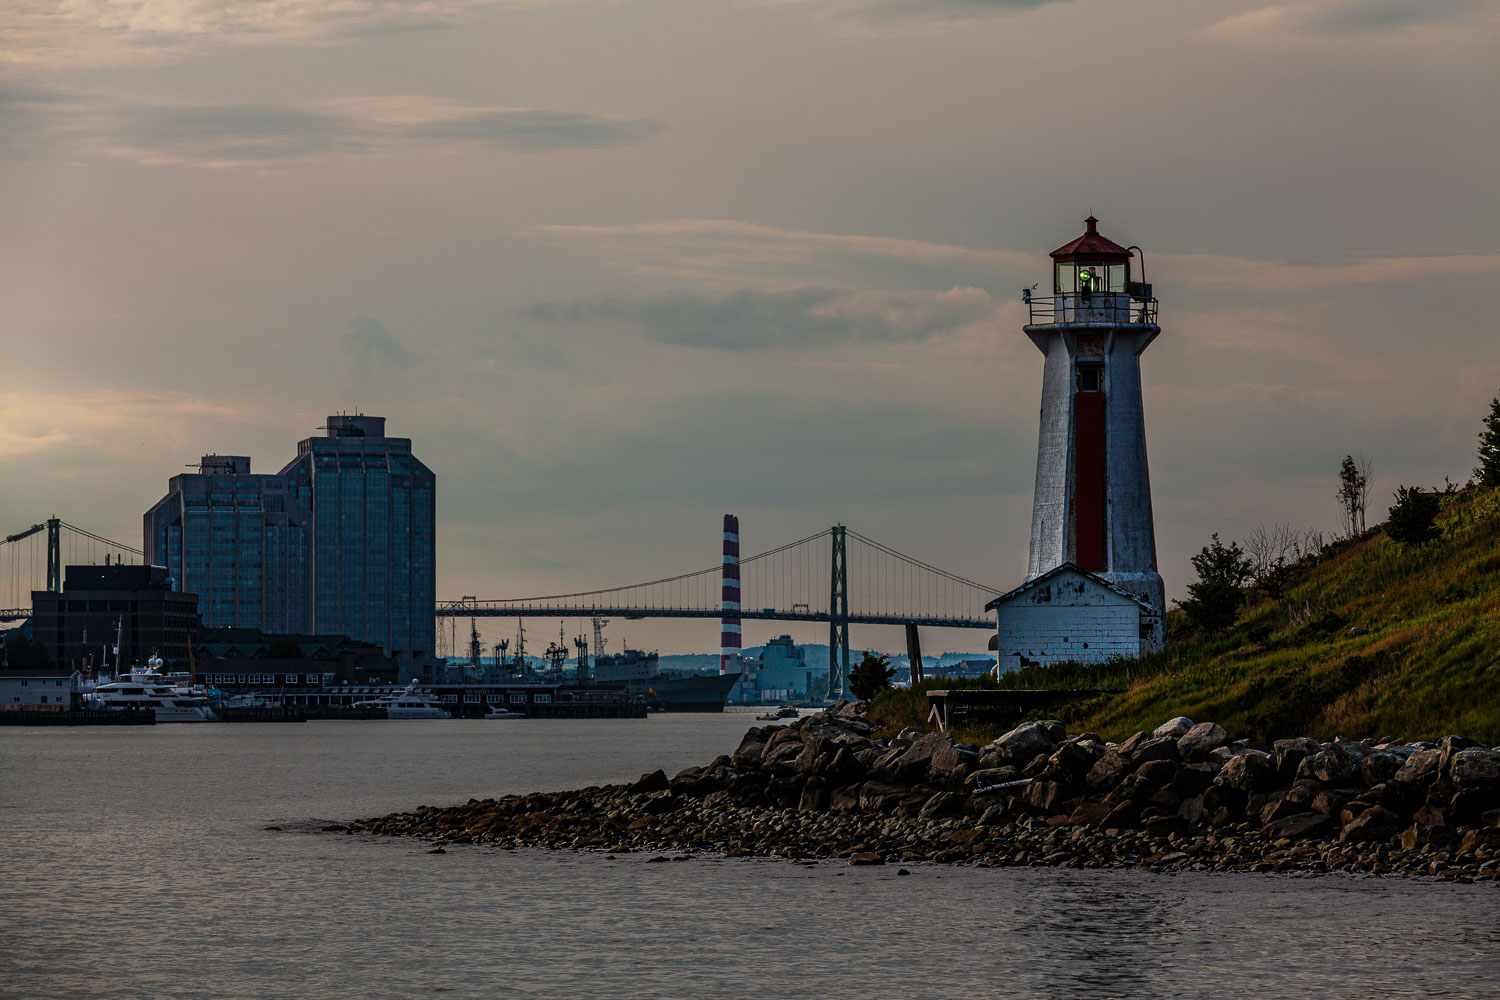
[
  {"x": 239, "y": 541},
  {"x": 372, "y": 536}
]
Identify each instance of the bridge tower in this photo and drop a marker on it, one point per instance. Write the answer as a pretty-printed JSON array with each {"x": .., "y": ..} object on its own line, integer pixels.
[
  {"x": 1092, "y": 505},
  {"x": 54, "y": 554},
  {"x": 838, "y": 617}
]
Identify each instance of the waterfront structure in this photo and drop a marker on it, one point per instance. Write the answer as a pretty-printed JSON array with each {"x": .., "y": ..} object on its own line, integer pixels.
[
  {"x": 79, "y": 626},
  {"x": 781, "y": 673},
  {"x": 1091, "y": 510},
  {"x": 237, "y": 540},
  {"x": 372, "y": 537},
  {"x": 247, "y": 658},
  {"x": 1069, "y": 614},
  {"x": 33, "y": 690}
]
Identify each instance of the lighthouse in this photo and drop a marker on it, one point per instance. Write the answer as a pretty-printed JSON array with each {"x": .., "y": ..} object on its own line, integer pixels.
[{"x": 1092, "y": 588}]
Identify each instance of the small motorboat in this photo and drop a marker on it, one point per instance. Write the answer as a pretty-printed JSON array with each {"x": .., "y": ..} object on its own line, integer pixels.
[
  {"x": 496, "y": 712},
  {"x": 780, "y": 715}
]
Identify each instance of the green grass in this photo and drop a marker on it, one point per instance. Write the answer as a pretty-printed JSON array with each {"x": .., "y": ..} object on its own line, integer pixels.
[{"x": 1430, "y": 665}]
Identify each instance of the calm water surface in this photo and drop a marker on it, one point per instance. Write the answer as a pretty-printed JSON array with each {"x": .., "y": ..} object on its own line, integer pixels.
[{"x": 135, "y": 863}]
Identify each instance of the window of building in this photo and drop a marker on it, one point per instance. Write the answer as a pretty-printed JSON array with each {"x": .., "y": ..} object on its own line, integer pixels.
[
  {"x": 518, "y": 699},
  {"x": 471, "y": 699},
  {"x": 1090, "y": 378},
  {"x": 450, "y": 699},
  {"x": 543, "y": 699}
]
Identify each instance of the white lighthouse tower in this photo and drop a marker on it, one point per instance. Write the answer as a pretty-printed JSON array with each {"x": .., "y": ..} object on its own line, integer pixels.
[{"x": 1092, "y": 506}]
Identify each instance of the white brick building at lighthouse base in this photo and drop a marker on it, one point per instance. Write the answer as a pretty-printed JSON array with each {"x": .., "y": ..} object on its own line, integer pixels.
[{"x": 1069, "y": 614}]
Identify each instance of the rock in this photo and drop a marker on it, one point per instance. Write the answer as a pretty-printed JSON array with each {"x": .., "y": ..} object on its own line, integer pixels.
[
  {"x": 911, "y": 734},
  {"x": 1490, "y": 818},
  {"x": 1378, "y": 768},
  {"x": 866, "y": 858},
  {"x": 1192, "y": 810},
  {"x": 816, "y": 794},
  {"x": 1373, "y": 825},
  {"x": 845, "y": 799},
  {"x": 1475, "y": 767},
  {"x": 1280, "y": 808},
  {"x": 1024, "y": 742},
  {"x": 950, "y": 760},
  {"x": 437, "y": 850},
  {"x": 1420, "y": 768},
  {"x": 1249, "y": 772},
  {"x": 1300, "y": 826},
  {"x": 1173, "y": 729},
  {"x": 942, "y": 804},
  {"x": 1192, "y": 779},
  {"x": 1089, "y": 813},
  {"x": 1221, "y": 798},
  {"x": 656, "y": 781},
  {"x": 1125, "y": 816},
  {"x": 996, "y": 815},
  {"x": 1200, "y": 741},
  {"x": 1107, "y": 771},
  {"x": 1132, "y": 788},
  {"x": 751, "y": 745},
  {"x": 1333, "y": 766},
  {"x": 1163, "y": 827},
  {"x": 990, "y": 776},
  {"x": 1331, "y": 801},
  {"x": 902, "y": 871},
  {"x": 1357, "y": 631},
  {"x": 1047, "y": 797},
  {"x": 1128, "y": 748},
  {"x": 1153, "y": 749},
  {"x": 1483, "y": 837},
  {"x": 964, "y": 836},
  {"x": 1158, "y": 773},
  {"x": 1072, "y": 762},
  {"x": 661, "y": 804},
  {"x": 1286, "y": 755}
]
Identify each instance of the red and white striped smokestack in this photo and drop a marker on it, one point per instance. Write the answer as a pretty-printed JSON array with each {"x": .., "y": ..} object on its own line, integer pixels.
[{"x": 729, "y": 627}]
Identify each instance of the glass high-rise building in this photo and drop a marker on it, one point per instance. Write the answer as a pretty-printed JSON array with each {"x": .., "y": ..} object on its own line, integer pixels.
[
  {"x": 372, "y": 538},
  {"x": 340, "y": 542},
  {"x": 239, "y": 541}
]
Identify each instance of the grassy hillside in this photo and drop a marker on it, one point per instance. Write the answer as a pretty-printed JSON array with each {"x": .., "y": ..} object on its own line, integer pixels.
[{"x": 1429, "y": 666}]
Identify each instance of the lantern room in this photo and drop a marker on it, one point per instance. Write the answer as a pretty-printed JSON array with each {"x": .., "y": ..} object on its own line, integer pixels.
[{"x": 1091, "y": 263}]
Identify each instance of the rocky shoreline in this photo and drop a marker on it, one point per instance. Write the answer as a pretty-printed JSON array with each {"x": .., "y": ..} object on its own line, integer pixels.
[{"x": 1184, "y": 797}]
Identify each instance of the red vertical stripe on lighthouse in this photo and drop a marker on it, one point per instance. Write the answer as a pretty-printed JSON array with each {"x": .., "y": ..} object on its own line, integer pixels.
[{"x": 1088, "y": 481}]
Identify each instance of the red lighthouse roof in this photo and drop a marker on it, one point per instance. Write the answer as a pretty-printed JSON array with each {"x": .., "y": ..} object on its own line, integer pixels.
[{"x": 1092, "y": 247}]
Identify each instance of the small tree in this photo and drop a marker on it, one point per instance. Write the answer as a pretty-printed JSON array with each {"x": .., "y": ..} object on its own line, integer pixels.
[
  {"x": 1214, "y": 601},
  {"x": 1413, "y": 516},
  {"x": 871, "y": 676},
  {"x": 1488, "y": 472},
  {"x": 1354, "y": 494}
]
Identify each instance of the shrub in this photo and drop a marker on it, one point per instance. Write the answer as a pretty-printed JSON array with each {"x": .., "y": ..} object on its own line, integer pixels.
[
  {"x": 1214, "y": 601},
  {"x": 1412, "y": 518},
  {"x": 870, "y": 677}
]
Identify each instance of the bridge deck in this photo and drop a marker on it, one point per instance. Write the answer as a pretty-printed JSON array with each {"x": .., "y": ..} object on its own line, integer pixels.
[{"x": 460, "y": 610}]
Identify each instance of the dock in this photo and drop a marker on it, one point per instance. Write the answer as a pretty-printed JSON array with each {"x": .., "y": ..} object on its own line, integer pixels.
[
  {"x": 79, "y": 717},
  {"x": 955, "y": 706}
]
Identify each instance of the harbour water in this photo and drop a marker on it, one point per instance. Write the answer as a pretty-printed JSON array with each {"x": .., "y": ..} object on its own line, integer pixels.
[{"x": 136, "y": 863}]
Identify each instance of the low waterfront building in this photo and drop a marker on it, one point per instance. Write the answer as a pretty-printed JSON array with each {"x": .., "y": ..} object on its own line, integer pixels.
[
  {"x": 79, "y": 625},
  {"x": 246, "y": 659},
  {"x": 37, "y": 690},
  {"x": 1069, "y": 614}
]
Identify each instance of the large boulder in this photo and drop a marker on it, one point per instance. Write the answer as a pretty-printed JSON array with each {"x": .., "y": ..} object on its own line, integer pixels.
[
  {"x": 1048, "y": 797},
  {"x": 1249, "y": 772},
  {"x": 1299, "y": 826},
  {"x": 1420, "y": 768},
  {"x": 1073, "y": 761},
  {"x": 1201, "y": 741},
  {"x": 950, "y": 760},
  {"x": 1107, "y": 771},
  {"x": 1154, "y": 749},
  {"x": 1288, "y": 755},
  {"x": 1475, "y": 768},
  {"x": 1335, "y": 766},
  {"x": 1373, "y": 825},
  {"x": 1173, "y": 728},
  {"x": 1024, "y": 742},
  {"x": 1192, "y": 779},
  {"x": 990, "y": 776},
  {"x": 1379, "y": 767}
]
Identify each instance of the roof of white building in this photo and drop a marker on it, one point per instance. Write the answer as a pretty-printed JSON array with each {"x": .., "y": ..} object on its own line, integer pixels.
[{"x": 1068, "y": 567}]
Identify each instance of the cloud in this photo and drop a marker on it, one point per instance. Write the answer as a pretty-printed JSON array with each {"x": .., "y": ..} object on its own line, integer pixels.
[
  {"x": 267, "y": 135},
  {"x": 749, "y": 318},
  {"x": 79, "y": 33},
  {"x": 1358, "y": 21},
  {"x": 368, "y": 345}
]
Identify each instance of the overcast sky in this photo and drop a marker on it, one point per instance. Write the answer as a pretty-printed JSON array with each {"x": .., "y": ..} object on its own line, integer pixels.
[{"x": 620, "y": 267}]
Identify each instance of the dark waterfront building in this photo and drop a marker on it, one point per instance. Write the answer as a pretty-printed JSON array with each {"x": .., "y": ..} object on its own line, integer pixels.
[
  {"x": 247, "y": 658},
  {"x": 373, "y": 536},
  {"x": 81, "y": 621},
  {"x": 239, "y": 541}
]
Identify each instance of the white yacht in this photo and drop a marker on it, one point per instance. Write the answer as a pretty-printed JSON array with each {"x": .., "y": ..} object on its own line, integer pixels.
[
  {"x": 496, "y": 712},
  {"x": 148, "y": 689},
  {"x": 406, "y": 705}
]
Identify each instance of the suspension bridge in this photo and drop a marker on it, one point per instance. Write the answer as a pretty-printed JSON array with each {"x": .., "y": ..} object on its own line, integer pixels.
[
  {"x": 33, "y": 560},
  {"x": 836, "y": 577}
]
